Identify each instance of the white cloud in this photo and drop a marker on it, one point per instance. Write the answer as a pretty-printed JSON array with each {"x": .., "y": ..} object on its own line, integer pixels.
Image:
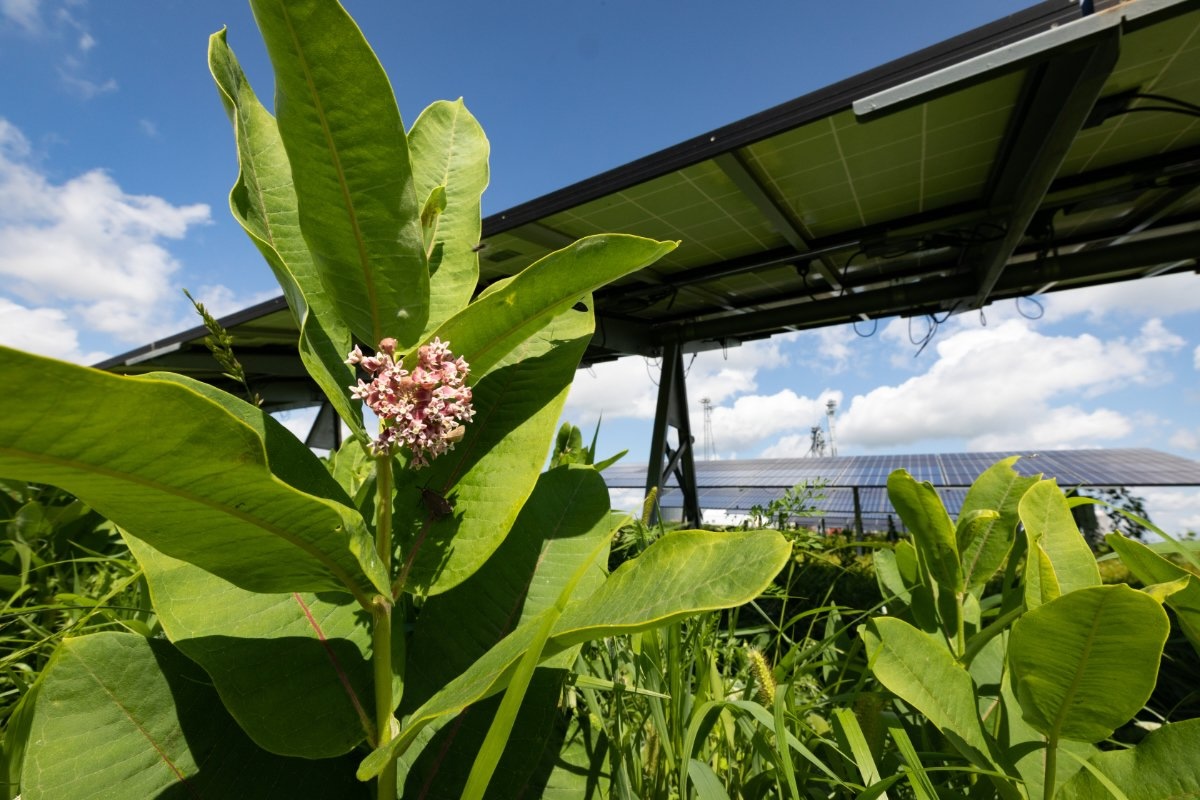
[
  {"x": 87, "y": 250},
  {"x": 1186, "y": 439},
  {"x": 614, "y": 389},
  {"x": 45, "y": 331},
  {"x": 831, "y": 349},
  {"x": 85, "y": 88},
  {"x": 1196, "y": 357},
  {"x": 1155, "y": 338},
  {"x": 1164, "y": 296},
  {"x": 1176, "y": 511},
  {"x": 791, "y": 446},
  {"x": 722, "y": 374},
  {"x": 63, "y": 27},
  {"x": 22, "y": 12},
  {"x": 628, "y": 387},
  {"x": 751, "y": 420},
  {"x": 1058, "y": 428},
  {"x": 1000, "y": 386},
  {"x": 148, "y": 127}
]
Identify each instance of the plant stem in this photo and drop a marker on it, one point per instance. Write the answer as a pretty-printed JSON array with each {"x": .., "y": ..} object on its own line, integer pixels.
[
  {"x": 990, "y": 632},
  {"x": 1051, "y": 767},
  {"x": 961, "y": 641},
  {"x": 381, "y": 634},
  {"x": 383, "y": 510},
  {"x": 381, "y": 658}
]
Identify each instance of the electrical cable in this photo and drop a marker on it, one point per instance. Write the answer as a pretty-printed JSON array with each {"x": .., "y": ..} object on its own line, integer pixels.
[
  {"x": 874, "y": 328},
  {"x": 1041, "y": 309},
  {"x": 650, "y": 374},
  {"x": 1162, "y": 98},
  {"x": 934, "y": 323},
  {"x": 846, "y": 268},
  {"x": 1187, "y": 112}
]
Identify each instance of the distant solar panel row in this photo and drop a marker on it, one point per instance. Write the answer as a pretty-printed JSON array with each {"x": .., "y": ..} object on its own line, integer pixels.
[
  {"x": 737, "y": 486},
  {"x": 1111, "y": 467}
]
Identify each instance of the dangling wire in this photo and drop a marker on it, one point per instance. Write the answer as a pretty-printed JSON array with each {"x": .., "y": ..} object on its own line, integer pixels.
[
  {"x": 1041, "y": 310},
  {"x": 982, "y": 319},
  {"x": 657, "y": 364},
  {"x": 846, "y": 269},
  {"x": 934, "y": 323},
  {"x": 688, "y": 368},
  {"x": 674, "y": 295},
  {"x": 868, "y": 334}
]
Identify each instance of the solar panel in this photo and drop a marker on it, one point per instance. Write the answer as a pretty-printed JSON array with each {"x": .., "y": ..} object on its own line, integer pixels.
[{"x": 736, "y": 486}]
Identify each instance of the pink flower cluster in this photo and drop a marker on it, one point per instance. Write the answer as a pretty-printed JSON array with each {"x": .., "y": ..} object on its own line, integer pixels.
[{"x": 424, "y": 411}]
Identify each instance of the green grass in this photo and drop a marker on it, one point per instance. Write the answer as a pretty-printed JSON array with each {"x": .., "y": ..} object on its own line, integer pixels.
[{"x": 64, "y": 571}]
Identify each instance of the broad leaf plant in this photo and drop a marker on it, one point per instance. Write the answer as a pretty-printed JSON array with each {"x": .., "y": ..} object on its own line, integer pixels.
[
  {"x": 326, "y": 621},
  {"x": 1024, "y": 683}
]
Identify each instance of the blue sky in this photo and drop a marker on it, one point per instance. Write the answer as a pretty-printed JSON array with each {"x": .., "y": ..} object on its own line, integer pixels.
[{"x": 116, "y": 160}]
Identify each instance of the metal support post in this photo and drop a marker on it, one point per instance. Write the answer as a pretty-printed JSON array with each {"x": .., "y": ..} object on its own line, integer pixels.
[
  {"x": 672, "y": 411},
  {"x": 326, "y": 431},
  {"x": 858, "y": 523}
]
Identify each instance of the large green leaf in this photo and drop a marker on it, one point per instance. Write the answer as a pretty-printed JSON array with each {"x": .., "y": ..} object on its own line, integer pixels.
[
  {"x": 921, "y": 509},
  {"x": 449, "y": 150},
  {"x": 984, "y": 545},
  {"x": 561, "y": 523},
  {"x": 486, "y": 331},
  {"x": 293, "y": 669},
  {"x": 680, "y": 574},
  {"x": 1151, "y": 568},
  {"x": 119, "y": 715},
  {"x": 557, "y": 531},
  {"x": 1163, "y": 765},
  {"x": 1027, "y": 747},
  {"x": 1084, "y": 663},
  {"x": 529, "y": 756},
  {"x": 1059, "y": 560},
  {"x": 985, "y": 551},
  {"x": 919, "y": 669},
  {"x": 575, "y": 767},
  {"x": 263, "y": 202},
  {"x": 492, "y": 471},
  {"x": 214, "y": 481},
  {"x": 359, "y": 211}
]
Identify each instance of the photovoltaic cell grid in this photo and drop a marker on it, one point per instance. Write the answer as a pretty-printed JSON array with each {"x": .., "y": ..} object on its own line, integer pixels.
[
  {"x": 739, "y": 485},
  {"x": 835, "y": 507}
]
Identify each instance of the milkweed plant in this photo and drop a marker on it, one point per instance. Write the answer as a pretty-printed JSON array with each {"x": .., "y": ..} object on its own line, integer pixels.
[
  {"x": 335, "y": 629},
  {"x": 399, "y": 618}
]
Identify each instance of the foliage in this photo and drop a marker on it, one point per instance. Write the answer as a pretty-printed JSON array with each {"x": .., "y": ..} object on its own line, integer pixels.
[
  {"x": 329, "y": 623},
  {"x": 801, "y": 500},
  {"x": 1023, "y": 687},
  {"x": 569, "y": 449},
  {"x": 1130, "y": 516},
  {"x": 220, "y": 343},
  {"x": 64, "y": 571}
]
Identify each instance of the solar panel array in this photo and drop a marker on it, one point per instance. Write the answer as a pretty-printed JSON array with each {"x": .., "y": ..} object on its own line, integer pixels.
[
  {"x": 736, "y": 486},
  {"x": 822, "y": 211}
]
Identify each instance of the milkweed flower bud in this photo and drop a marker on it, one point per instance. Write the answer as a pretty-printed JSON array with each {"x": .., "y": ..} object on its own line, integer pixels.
[{"x": 424, "y": 410}]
